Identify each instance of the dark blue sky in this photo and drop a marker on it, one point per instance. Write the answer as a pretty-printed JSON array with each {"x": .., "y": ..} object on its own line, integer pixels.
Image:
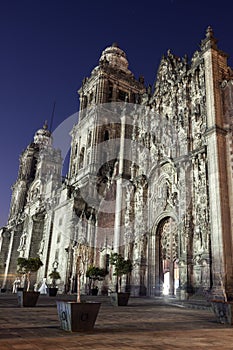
[{"x": 49, "y": 46}]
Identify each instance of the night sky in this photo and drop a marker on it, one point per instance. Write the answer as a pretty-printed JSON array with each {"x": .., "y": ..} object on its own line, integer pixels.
[{"x": 49, "y": 46}]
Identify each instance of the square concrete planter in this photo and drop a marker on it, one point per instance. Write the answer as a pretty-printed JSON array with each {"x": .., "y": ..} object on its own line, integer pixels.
[
  {"x": 119, "y": 299},
  {"x": 52, "y": 291},
  {"x": 27, "y": 299},
  {"x": 223, "y": 311},
  {"x": 77, "y": 317}
]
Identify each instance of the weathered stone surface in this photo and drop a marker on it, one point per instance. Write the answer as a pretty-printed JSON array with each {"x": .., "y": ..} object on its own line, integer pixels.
[{"x": 150, "y": 176}]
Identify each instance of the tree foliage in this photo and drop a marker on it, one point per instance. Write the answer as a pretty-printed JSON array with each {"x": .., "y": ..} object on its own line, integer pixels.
[
  {"x": 26, "y": 266},
  {"x": 122, "y": 266},
  {"x": 29, "y": 265},
  {"x": 96, "y": 273},
  {"x": 54, "y": 275}
]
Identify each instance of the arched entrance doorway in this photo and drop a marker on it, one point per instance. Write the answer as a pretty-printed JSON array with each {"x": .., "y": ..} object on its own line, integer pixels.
[{"x": 167, "y": 268}]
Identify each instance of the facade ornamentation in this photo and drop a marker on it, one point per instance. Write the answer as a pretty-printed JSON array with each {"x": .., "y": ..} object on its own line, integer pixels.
[{"x": 150, "y": 176}]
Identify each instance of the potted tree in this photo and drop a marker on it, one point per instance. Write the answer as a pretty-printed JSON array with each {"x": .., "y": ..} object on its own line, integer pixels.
[
  {"x": 122, "y": 267},
  {"x": 79, "y": 315},
  {"x": 26, "y": 267},
  {"x": 54, "y": 275},
  {"x": 95, "y": 273}
]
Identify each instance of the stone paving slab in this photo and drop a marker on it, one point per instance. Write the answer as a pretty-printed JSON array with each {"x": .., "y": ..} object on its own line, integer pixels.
[{"x": 144, "y": 324}]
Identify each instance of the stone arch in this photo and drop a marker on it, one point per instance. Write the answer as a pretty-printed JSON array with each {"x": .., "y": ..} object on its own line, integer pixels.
[
  {"x": 163, "y": 192},
  {"x": 164, "y": 255},
  {"x": 106, "y": 135},
  {"x": 35, "y": 190}
]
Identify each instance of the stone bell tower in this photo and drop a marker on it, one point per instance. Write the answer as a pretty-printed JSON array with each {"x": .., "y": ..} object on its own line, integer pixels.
[
  {"x": 111, "y": 81},
  {"x": 38, "y": 176},
  {"x": 95, "y": 139},
  {"x": 220, "y": 179}
]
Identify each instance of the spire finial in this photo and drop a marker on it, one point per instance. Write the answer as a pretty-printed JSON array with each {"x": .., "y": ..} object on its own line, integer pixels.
[
  {"x": 115, "y": 44},
  {"x": 45, "y": 126},
  {"x": 210, "y": 42},
  {"x": 209, "y": 32},
  {"x": 52, "y": 117}
]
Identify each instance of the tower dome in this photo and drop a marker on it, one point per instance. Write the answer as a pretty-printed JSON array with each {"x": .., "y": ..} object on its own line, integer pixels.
[
  {"x": 115, "y": 57},
  {"x": 43, "y": 136}
]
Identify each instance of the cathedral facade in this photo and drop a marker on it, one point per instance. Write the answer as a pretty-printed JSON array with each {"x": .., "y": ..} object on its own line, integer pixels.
[{"x": 150, "y": 176}]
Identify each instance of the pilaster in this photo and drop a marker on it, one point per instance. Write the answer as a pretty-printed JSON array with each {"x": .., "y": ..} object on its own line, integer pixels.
[{"x": 221, "y": 235}]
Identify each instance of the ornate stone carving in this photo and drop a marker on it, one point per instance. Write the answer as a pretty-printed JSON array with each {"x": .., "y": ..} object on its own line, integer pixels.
[{"x": 164, "y": 179}]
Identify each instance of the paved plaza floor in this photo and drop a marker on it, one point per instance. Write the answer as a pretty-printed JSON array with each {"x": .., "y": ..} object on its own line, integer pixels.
[{"x": 143, "y": 324}]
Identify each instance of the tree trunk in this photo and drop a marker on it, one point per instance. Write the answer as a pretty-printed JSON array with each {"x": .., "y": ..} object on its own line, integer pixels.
[{"x": 78, "y": 288}]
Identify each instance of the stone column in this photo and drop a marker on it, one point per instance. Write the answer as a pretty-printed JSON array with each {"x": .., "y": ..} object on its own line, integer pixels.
[{"x": 119, "y": 189}]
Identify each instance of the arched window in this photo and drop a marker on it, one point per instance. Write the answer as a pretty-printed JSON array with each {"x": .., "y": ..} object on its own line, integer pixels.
[
  {"x": 81, "y": 157},
  {"x": 59, "y": 237},
  {"x": 89, "y": 139},
  {"x": 110, "y": 92},
  {"x": 106, "y": 135},
  {"x": 84, "y": 104},
  {"x": 76, "y": 149}
]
